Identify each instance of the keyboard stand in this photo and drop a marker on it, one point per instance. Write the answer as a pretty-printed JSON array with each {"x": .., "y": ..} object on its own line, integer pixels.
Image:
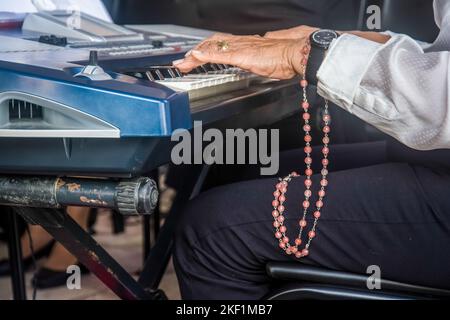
[
  {"x": 15, "y": 257},
  {"x": 80, "y": 243},
  {"x": 160, "y": 254},
  {"x": 91, "y": 254}
]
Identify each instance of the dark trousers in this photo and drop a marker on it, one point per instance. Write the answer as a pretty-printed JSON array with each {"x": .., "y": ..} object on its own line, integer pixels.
[{"x": 391, "y": 214}]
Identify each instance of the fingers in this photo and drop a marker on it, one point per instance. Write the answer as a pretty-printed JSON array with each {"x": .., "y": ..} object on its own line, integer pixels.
[
  {"x": 208, "y": 51},
  {"x": 187, "y": 64},
  {"x": 198, "y": 58}
]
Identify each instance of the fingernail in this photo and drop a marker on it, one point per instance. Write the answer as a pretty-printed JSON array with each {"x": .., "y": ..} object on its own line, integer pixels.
[
  {"x": 175, "y": 62},
  {"x": 196, "y": 52}
]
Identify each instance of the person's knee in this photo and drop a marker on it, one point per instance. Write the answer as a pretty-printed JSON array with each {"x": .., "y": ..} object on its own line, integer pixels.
[
  {"x": 201, "y": 216},
  {"x": 220, "y": 208}
]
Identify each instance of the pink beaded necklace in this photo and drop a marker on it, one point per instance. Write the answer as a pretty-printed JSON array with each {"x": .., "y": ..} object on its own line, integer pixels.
[{"x": 282, "y": 186}]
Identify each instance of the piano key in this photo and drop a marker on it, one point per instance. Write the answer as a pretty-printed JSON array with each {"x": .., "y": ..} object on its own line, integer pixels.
[{"x": 204, "y": 81}]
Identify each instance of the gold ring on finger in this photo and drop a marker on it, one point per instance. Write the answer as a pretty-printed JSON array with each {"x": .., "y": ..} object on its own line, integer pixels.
[{"x": 222, "y": 45}]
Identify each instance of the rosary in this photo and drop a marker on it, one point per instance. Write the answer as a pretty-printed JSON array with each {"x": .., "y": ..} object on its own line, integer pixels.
[{"x": 282, "y": 186}]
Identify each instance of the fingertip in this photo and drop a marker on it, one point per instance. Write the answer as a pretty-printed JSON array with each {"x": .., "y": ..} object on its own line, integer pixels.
[
  {"x": 177, "y": 62},
  {"x": 196, "y": 53}
]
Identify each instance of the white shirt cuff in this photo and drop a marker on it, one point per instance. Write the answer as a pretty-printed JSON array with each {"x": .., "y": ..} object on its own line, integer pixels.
[{"x": 343, "y": 68}]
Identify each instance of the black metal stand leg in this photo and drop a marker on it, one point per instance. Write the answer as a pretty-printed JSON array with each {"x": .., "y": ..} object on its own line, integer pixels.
[
  {"x": 87, "y": 251},
  {"x": 15, "y": 258},
  {"x": 118, "y": 221},
  {"x": 161, "y": 252},
  {"x": 146, "y": 234},
  {"x": 156, "y": 221},
  {"x": 147, "y": 242}
]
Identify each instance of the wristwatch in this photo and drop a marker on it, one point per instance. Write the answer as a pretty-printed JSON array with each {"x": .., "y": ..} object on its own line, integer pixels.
[{"x": 320, "y": 42}]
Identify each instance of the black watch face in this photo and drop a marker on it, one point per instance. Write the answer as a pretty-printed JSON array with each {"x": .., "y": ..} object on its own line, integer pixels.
[{"x": 323, "y": 38}]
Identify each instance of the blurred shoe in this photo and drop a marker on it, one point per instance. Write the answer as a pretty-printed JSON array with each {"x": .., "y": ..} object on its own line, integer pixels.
[{"x": 5, "y": 268}]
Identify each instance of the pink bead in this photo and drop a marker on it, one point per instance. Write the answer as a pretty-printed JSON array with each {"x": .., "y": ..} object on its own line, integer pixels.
[
  {"x": 319, "y": 204},
  {"x": 275, "y": 203},
  {"x": 298, "y": 254},
  {"x": 308, "y": 160},
  {"x": 308, "y": 172},
  {"x": 289, "y": 251},
  {"x": 311, "y": 234},
  {"x": 282, "y": 245},
  {"x": 302, "y": 223},
  {"x": 285, "y": 239},
  {"x": 283, "y": 229},
  {"x": 304, "y": 61},
  {"x": 326, "y": 118},
  {"x": 325, "y": 162},
  {"x": 294, "y": 174},
  {"x": 298, "y": 241},
  {"x": 317, "y": 214},
  {"x": 276, "y": 224},
  {"x": 326, "y": 129},
  {"x": 326, "y": 140},
  {"x": 305, "y": 252},
  {"x": 307, "y": 128},
  {"x": 305, "y": 105},
  {"x": 278, "y": 235},
  {"x": 303, "y": 83},
  {"x": 308, "y": 193},
  {"x": 308, "y": 183},
  {"x": 306, "y": 116},
  {"x": 307, "y": 149},
  {"x": 322, "y": 193},
  {"x": 283, "y": 190},
  {"x": 306, "y": 204},
  {"x": 325, "y": 150},
  {"x": 308, "y": 138},
  {"x": 280, "y": 219},
  {"x": 324, "y": 182},
  {"x": 294, "y": 250},
  {"x": 275, "y": 213},
  {"x": 279, "y": 186},
  {"x": 281, "y": 209},
  {"x": 282, "y": 198},
  {"x": 276, "y": 194},
  {"x": 284, "y": 183}
]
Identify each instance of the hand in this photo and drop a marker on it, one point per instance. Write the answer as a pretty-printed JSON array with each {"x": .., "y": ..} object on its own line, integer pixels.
[
  {"x": 291, "y": 33},
  {"x": 273, "y": 58}
]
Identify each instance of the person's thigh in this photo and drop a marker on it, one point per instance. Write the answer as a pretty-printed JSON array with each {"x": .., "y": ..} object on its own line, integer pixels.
[
  {"x": 342, "y": 157},
  {"x": 376, "y": 215}
]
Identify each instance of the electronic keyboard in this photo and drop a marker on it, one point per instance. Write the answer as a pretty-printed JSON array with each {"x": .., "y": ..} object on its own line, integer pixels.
[{"x": 103, "y": 100}]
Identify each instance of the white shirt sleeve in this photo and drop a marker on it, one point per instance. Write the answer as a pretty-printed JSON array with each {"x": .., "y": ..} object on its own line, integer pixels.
[{"x": 401, "y": 87}]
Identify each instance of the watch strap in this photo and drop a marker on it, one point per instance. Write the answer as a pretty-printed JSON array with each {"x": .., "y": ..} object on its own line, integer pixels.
[{"x": 316, "y": 57}]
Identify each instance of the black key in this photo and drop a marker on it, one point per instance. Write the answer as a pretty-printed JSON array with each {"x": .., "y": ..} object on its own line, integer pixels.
[
  {"x": 25, "y": 113},
  {"x": 150, "y": 76},
  {"x": 36, "y": 111},
  {"x": 13, "y": 110}
]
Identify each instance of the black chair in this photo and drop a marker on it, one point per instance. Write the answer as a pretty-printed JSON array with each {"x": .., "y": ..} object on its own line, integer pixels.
[{"x": 302, "y": 282}]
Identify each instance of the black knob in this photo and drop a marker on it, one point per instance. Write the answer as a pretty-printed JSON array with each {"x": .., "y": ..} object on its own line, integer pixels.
[
  {"x": 54, "y": 40},
  {"x": 157, "y": 43},
  {"x": 137, "y": 196},
  {"x": 93, "y": 58}
]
